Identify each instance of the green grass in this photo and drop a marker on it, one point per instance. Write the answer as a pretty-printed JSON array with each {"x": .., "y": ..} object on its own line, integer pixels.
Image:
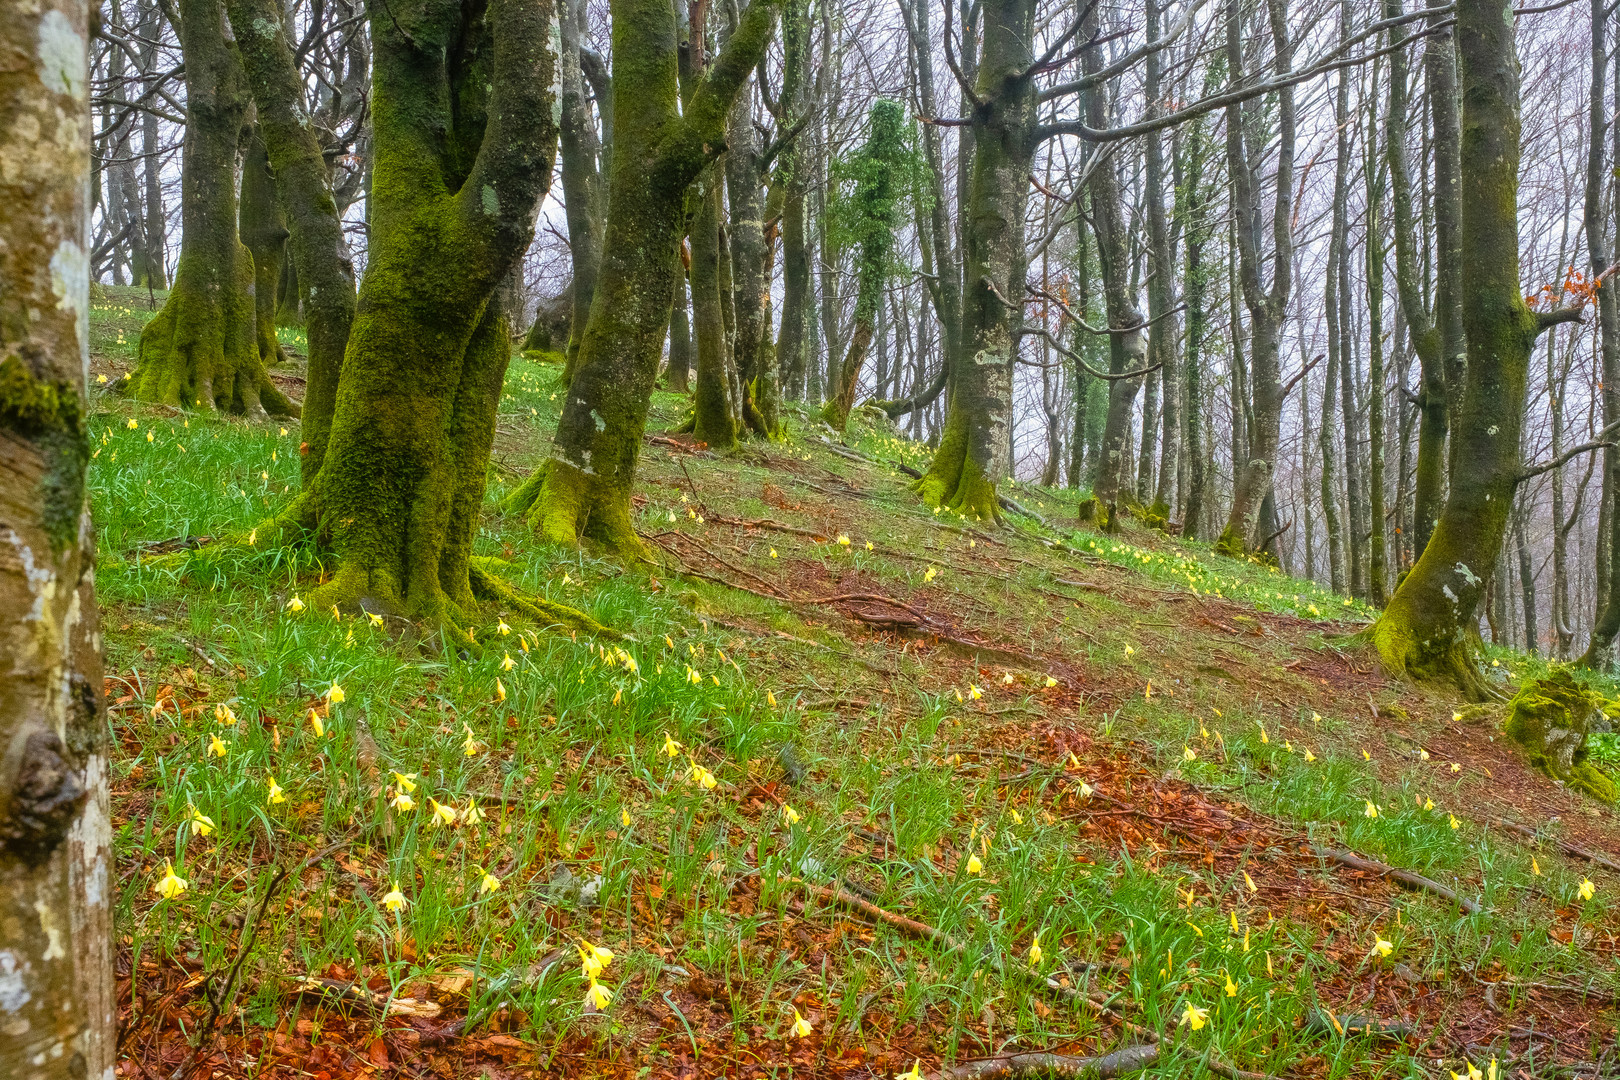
[{"x": 570, "y": 773}]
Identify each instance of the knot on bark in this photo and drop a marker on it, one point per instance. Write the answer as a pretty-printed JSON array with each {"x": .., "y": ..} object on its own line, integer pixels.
[{"x": 46, "y": 799}]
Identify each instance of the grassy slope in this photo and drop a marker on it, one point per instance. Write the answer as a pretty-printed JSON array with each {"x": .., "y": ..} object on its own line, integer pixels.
[{"x": 1117, "y": 728}]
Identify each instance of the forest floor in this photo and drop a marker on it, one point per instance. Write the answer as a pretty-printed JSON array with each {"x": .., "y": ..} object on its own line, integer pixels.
[{"x": 934, "y": 745}]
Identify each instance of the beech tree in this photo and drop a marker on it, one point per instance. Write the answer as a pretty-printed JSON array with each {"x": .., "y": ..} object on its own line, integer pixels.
[{"x": 56, "y": 888}]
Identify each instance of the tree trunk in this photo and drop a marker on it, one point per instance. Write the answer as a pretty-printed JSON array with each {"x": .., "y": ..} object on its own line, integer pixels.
[
  {"x": 1377, "y": 555},
  {"x": 1330, "y": 486},
  {"x": 1161, "y": 344},
  {"x": 454, "y": 194},
  {"x": 263, "y": 229},
  {"x": 1608, "y": 309},
  {"x": 963, "y": 476},
  {"x": 56, "y": 892},
  {"x": 1423, "y": 631},
  {"x": 1527, "y": 580},
  {"x": 658, "y": 150},
  {"x": 200, "y": 350},
  {"x": 678, "y": 375},
  {"x": 153, "y": 274},
  {"x": 714, "y": 415},
  {"x": 750, "y": 286},
  {"x": 790, "y": 176},
  {"x": 1253, "y": 475},
  {"x": 578, "y": 146}
]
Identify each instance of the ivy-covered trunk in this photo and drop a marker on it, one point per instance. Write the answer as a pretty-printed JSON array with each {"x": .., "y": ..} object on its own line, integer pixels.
[
  {"x": 963, "y": 474},
  {"x": 201, "y": 350},
  {"x": 56, "y": 892},
  {"x": 1253, "y": 474},
  {"x": 583, "y": 491},
  {"x": 1423, "y": 632},
  {"x": 465, "y": 143},
  {"x": 324, "y": 277}
]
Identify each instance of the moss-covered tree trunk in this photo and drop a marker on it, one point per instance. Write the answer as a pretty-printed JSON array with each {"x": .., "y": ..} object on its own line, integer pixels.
[
  {"x": 714, "y": 405},
  {"x": 1423, "y": 632},
  {"x": 322, "y": 268},
  {"x": 658, "y": 150},
  {"x": 964, "y": 472},
  {"x": 750, "y": 283},
  {"x": 788, "y": 184},
  {"x": 1162, "y": 329},
  {"x": 263, "y": 229},
  {"x": 56, "y": 891},
  {"x": 201, "y": 350},
  {"x": 1254, "y": 473},
  {"x": 583, "y": 198},
  {"x": 465, "y": 143},
  {"x": 678, "y": 376}
]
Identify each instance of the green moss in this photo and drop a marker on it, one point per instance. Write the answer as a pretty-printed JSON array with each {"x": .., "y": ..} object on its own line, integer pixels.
[
  {"x": 545, "y": 356},
  {"x": 1551, "y": 718},
  {"x": 49, "y": 415}
]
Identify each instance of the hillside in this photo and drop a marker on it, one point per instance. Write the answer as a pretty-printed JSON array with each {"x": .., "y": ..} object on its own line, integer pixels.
[{"x": 949, "y": 793}]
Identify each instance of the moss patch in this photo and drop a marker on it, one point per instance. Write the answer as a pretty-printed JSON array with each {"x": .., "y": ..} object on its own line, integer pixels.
[{"x": 1551, "y": 718}]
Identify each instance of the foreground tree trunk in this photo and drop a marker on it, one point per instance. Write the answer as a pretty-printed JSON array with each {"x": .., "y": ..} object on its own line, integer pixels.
[
  {"x": 454, "y": 196},
  {"x": 325, "y": 269},
  {"x": 201, "y": 350},
  {"x": 55, "y": 838},
  {"x": 1423, "y": 632},
  {"x": 963, "y": 474},
  {"x": 658, "y": 150}
]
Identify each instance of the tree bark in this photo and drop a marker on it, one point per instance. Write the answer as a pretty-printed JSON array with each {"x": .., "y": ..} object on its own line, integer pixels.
[
  {"x": 263, "y": 229},
  {"x": 56, "y": 894},
  {"x": 1161, "y": 344},
  {"x": 201, "y": 350},
  {"x": 579, "y": 148},
  {"x": 1377, "y": 554},
  {"x": 789, "y": 177},
  {"x": 583, "y": 491},
  {"x": 714, "y": 415},
  {"x": 1423, "y": 632},
  {"x": 750, "y": 285}
]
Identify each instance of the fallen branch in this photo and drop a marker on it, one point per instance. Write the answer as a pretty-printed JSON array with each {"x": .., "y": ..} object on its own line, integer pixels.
[
  {"x": 1118, "y": 1063},
  {"x": 1567, "y": 848},
  {"x": 1400, "y": 877}
]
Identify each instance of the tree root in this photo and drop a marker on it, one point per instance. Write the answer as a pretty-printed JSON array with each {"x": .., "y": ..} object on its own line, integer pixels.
[
  {"x": 1401, "y": 877},
  {"x": 1564, "y": 846},
  {"x": 487, "y": 586},
  {"x": 1128, "y": 1060}
]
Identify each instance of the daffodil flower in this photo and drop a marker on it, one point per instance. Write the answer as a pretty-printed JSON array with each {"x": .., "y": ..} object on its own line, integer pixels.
[
  {"x": 1428, "y": 804},
  {"x": 502, "y": 628},
  {"x": 200, "y": 823},
  {"x": 1535, "y": 867},
  {"x": 1381, "y": 947},
  {"x": 801, "y": 1026},
  {"x": 1086, "y": 790},
  {"x": 489, "y": 884},
  {"x": 1050, "y": 682},
  {"x": 295, "y": 604},
  {"x": 1249, "y": 881},
  {"x": 315, "y": 722},
  {"x": 1263, "y": 736},
  {"x": 602, "y": 956},
  {"x": 915, "y": 1073},
  {"x": 1455, "y": 824},
  {"x": 624, "y": 817},
  {"x": 1231, "y": 987},
  {"x": 1308, "y": 755},
  {"x": 132, "y": 425},
  {"x": 441, "y": 814},
  {"x": 472, "y": 815},
  {"x": 1587, "y": 889},
  {"x": 224, "y": 714},
  {"x": 1188, "y": 753},
  {"x": 1456, "y": 768},
  {"x": 376, "y": 619},
  {"x": 929, "y": 574},
  {"x": 403, "y": 802},
  {"x": 692, "y": 676},
  {"x": 500, "y": 691},
  {"x": 406, "y": 781},
  {"x": 334, "y": 693},
  {"x": 275, "y": 795},
  {"x": 598, "y": 997},
  {"x": 394, "y": 900},
  {"x": 216, "y": 748},
  {"x": 869, "y": 545},
  {"x": 770, "y": 699},
  {"x": 974, "y": 692},
  {"x": 1194, "y": 1017},
  {"x": 1366, "y": 756},
  {"x": 1035, "y": 954},
  {"x": 1371, "y": 810},
  {"x": 702, "y": 776},
  {"x": 790, "y": 816},
  {"x": 1129, "y": 652},
  {"x": 170, "y": 885},
  {"x": 843, "y": 541},
  {"x": 1018, "y": 819},
  {"x": 974, "y": 866},
  {"x": 672, "y": 749}
]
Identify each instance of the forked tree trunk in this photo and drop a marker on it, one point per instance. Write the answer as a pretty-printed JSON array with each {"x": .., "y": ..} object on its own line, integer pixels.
[
  {"x": 1423, "y": 632},
  {"x": 201, "y": 350},
  {"x": 658, "y": 150},
  {"x": 963, "y": 474},
  {"x": 319, "y": 254},
  {"x": 56, "y": 892},
  {"x": 454, "y": 193}
]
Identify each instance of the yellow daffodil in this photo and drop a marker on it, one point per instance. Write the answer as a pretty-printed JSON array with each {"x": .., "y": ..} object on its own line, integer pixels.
[
  {"x": 1587, "y": 889},
  {"x": 1456, "y": 768},
  {"x": 843, "y": 541},
  {"x": 376, "y": 619},
  {"x": 929, "y": 574},
  {"x": 1470, "y": 1072},
  {"x": 1423, "y": 755},
  {"x": 1381, "y": 947},
  {"x": 958, "y": 695},
  {"x": 500, "y": 691},
  {"x": 974, "y": 866},
  {"x": 1086, "y": 790},
  {"x": 224, "y": 714},
  {"x": 334, "y": 693},
  {"x": 1366, "y": 756},
  {"x": 502, "y": 628},
  {"x": 974, "y": 692},
  {"x": 1455, "y": 824},
  {"x": 523, "y": 644},
  {"x": 200, "y": 823},
  {"x": 441, "y": 814},
  {"x": 801, "y": 1026},
  {"x": 692, "y": 676},
  {"x": 1372, "y": 809},
  {"x": 315, "y": 722},
  {"x": 1428, "y": 804},
  {"x": 170, "y": 885},
  {"x": 1231, "y": 987},
  {"x": 1308, "y": 755},
  {"x": 915, "y": 1073},
  {"x": 672, "y": 749},
  {"x": 132, "y": 425},
  {"x": 597, "y": 996},
  {"x": 1188, "y": 753},
  {"x": 869, "y": 545},
  {"x": 1050, "y": 682},
  {"x": 1018, "y": 819},
  {"x": 394, "y": 900},
  {"x": 472, "y": 815},
  {"x": 406, "y": 781},
  {"x": 1249, "y": 881},
  {"x": 1007, "y": 679},
  {"x": 702, "y": 776},
  {"x": 489, "y": 884},
  {"x": 101, "y": 380},
  {"x": 1195, "y": 1017},
  {"x": 789, "y": 815},
  {"x": 507, "y": 663},
  {"x": 149, "y": 436},
  {"x": 1316, "y": 718},
  {"x": 624, "y": 816},
  {"x": 1490, "y": 1070},
  {"x": 1535, "y": 867},
  {"x": 1035, "y": 954},
  {"x": 295, "y": 604},
  {"x": 1263, "y": 736},
  {"x": 275, "y": 795},
  {"x": 770, "y": 699},
  {"x": 773, "y": 553},
  {"x": 216, "y": 748},
  {"x": 1129, "y": 652},
  {"x": 403, "y": 802}
]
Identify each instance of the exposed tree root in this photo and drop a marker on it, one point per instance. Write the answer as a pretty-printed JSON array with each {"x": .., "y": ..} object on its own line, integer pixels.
[
  {"x": 1128, "y": 1060},
  {"x": 487, "y": 586},
  {"x": 1401, "y": 877},
  {"x": 1564, "y": 846}
]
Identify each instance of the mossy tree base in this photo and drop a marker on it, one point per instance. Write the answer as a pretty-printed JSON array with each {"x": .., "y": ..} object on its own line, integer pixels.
[
  {"x": 1551, "y": 718},
  {"x": 962, "y": 488},
  {"x": 1446, "y": 661},
  {"x": 564, "y": 505}
]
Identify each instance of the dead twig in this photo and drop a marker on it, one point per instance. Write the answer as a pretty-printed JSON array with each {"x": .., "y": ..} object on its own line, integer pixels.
[
  {"x": 1401, "y": 877},
  {"x": 1564, "y": 846},
  {"x": 1118, "y": 1063}
]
